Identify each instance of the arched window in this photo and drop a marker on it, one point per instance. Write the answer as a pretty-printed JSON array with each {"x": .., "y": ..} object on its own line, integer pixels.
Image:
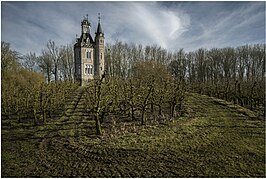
[{"x": 88, "y": 69}]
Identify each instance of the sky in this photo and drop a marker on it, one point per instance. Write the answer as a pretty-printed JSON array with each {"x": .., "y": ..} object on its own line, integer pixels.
[{"x": 173, "y": 25}]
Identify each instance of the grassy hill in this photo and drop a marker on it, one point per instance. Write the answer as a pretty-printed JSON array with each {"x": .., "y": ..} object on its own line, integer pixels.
[{"x": 213, "y": 138}]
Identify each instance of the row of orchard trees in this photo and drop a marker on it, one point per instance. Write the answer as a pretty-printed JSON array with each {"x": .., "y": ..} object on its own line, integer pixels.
[
  {"x": 24, "y": 93},
  {"x": 150, "y": 91},
  {"x": 234, "y": 74}
]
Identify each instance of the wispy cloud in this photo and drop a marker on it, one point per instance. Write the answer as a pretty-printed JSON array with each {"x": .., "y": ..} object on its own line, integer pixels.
[
  {"x": 173, "y": 25},
  {"x": 148, "y": 23},
  {"x": 243, "y": 24}
]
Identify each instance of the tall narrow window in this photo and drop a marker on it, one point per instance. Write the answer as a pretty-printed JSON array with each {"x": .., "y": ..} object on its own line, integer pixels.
[
  {"x": 86, "y": 69},
  {"x": 101, "y": 56},
  {"x": 90, "y": 69},
  {"x": 88, "y": 54}
]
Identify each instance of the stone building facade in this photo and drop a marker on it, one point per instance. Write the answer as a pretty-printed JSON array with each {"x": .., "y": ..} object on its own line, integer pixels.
[{"x": 89, "y": 54}]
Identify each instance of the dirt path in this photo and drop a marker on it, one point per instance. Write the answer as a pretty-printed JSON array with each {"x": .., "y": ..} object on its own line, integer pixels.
[{"x": 213, "y": 139}]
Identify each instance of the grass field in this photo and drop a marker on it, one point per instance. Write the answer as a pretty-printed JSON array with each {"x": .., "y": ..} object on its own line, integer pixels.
[{"x": 213, "y": 138}]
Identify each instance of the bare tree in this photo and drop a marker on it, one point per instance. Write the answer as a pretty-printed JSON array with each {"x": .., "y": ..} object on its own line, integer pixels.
[
  {"x": 67, "y": 62},
  {"x": 53, "y": 50},
  {"x": 45, "y": 63},
  {"x": 30, "y": 61},
  {"x": 9, "y": 58}
]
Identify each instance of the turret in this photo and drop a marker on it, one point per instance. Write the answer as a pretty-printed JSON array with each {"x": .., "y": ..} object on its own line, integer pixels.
[
  {"x": 99, "y": 28},
  {"x": 85, "y": 25},
  {"x": 99, "y": 49}
]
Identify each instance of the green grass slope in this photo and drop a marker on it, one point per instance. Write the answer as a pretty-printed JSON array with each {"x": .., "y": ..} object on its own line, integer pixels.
[{"x": 212, "y": 139}]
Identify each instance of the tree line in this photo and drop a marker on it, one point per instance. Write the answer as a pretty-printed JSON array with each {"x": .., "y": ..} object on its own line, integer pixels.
[
  {"x": 142, "y": 83},
  {"x": 234, "y": 74}
]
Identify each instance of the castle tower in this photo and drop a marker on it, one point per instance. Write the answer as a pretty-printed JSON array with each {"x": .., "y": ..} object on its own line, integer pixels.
[
  {"x": 99, "y": 49},
  {"x": 88, "y": 54}
]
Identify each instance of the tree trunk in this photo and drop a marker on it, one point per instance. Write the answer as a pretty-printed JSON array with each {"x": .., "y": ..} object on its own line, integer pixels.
[
  {"x": 180, "y": 106},
  {"x": 102, "y": 117},
  {"x": 227, "y": 90},
  {"x": 173, "y": 110},
  {"x": 152, "y": 108},
  {"x": 143, "y": 116},
  {"x": 18, "y": 117},
  {"x": 98, "y": 125},
  {"x": 43, "y": 116},
  {"x": 48, "y": 76},
  {"x": 35, "y": 117},
  {"x": 241, "y": 101},
  {"x": 251, "y": 103},
  {"x": 160, "y": 110},
  {"x": 132, "y": 113},
  {"x": 56, "y": 73}
]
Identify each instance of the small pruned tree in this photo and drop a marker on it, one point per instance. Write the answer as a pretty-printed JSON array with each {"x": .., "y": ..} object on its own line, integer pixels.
[
  {"x": 98, "y": 100},
  {"x": 176, "y": 95},
  {"x": 149, "y": 78},
  {"x": 145, "y": 98}
]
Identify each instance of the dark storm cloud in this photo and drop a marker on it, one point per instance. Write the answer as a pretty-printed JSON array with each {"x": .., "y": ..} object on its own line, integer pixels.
[{"x": 173, "y": 25}]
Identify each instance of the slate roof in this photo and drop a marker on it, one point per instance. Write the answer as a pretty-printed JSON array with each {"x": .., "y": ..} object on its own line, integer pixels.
[{"x": 99, "y": 29}]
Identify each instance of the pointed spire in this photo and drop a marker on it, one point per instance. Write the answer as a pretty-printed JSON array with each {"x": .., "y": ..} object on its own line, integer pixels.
[
  {"x": 99, "y": 29},
  {"x": 99, "y": 17}
]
